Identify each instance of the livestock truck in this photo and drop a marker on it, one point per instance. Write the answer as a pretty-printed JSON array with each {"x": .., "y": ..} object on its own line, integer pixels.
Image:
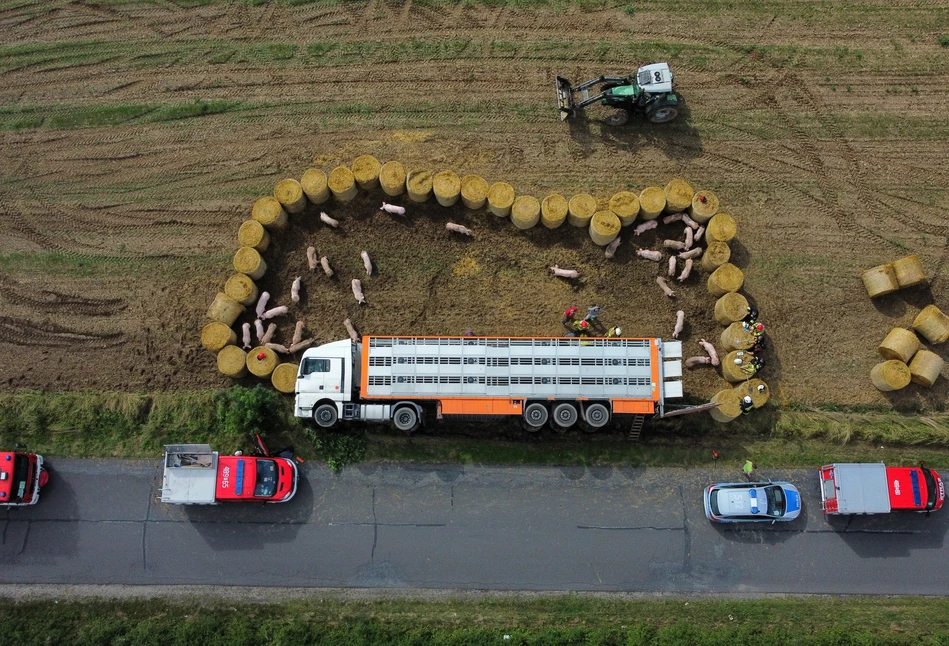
[
  {"x": 563, "y": 381},
  {"x": 874, "y": 488},
  {"x": 195, "y": 474},
  {"x": 22, "y": 475}
]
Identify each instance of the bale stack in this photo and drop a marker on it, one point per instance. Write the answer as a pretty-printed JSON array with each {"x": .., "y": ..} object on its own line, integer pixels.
[
  {"x": 750, "y": 388},
  {"x": 909, "y": 271},
  {"x": 880, "y": 280},
  {"x": 342, "y": 184},
  {"x": 215, "y": 336},
  {"x": 447, "y": 188},
  {"x": 900, "y": 344},
  {"x": 392, "y": 178},
  {"x": 500, "y": 199},
  {"x": 737, "y": 372},
  {"x": 289, "y": 193},
  {"x": 474, "y": 191},
  {"x": 932, "y": 324},
  {"x": 580, "y": 210},
  {"x": 248, "y": 261},
  {"x": 625, "y": 205},
  {"x": 678, "y": 195},
  {"x": 242, "y": 289},
  {"x": 730, "y": 308},
  {"x": 232, "y": 362},
  {"x": 925, "y": 368},
  {"x": 284, "y": 377},
  {"x": 704, "y": 206},
  {"x": 727, "y": 278},
  {"x": 716, "y": 255},
  {"x": 269, "y": 212},
  {"x": 604, "y": 227},
  {"x": 890, "y": 375},
  {"x": 553, "y": 210},
  {"x": 418, "y": 183},
  {"x": 525, "y": 212},
  {"x": 366, "y": 172},
  {"x": 721, "y": 228},
  {"x": 736, "y": 337},
  {"x": 253, "y": 234},
  {"x": 261, "y": 361},
  {"x": 224, "y": 309},
  {"x": 729, "y": 406},
  {"x": 315, "y": 186},
  {"x": 652, "y": 201}
]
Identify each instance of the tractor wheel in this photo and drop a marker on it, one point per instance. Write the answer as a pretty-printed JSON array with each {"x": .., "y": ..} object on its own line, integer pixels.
[
  {"x": 663, "y": 114},
  {"x": 325, "y": 416},
  {"x": 617, "y": 118}
]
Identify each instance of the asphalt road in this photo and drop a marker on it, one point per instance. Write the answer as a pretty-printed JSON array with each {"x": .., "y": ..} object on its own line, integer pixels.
[{"x": 461, "y": 527}]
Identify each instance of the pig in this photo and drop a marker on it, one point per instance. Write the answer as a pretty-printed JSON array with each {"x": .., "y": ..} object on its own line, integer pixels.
[
  {"x": 259, "y": 328},
  {"x": 612, "y": 247},
  {"x": 648, "y": 254},
  {"x": 301, "y": 345},
  {"x": 689, "y": 238},
  {"x": 692, "y": 253},
  {"x": 646, "y": 226},
  {"x": 295, "y": 290},
  {"x": 689, "y": 222},
  {"x": 686, "y": 270},
  {"x": 328, "y": 220},
  {"x": 262, "y": 304},
  {"x": 680, "y": 323},
  {"x": 357, "y": 291},
  {"x": 457, "y": 228},
  {"x": 710, "y": 349},
  {"x": 675, "y": 217},
  {"x": 392, "y": 208},
  {"x": 268, "y": 335},
  {"x": 673, "y": 244},
  {"x": 352, "y": 331},
  {"x": 297, "y": 333},
  {"x": 275, "y": 312},
  {"x": 246, "y": 338},
  {"x": 276, "y": 347},
  {"x": 692, "y": 362},
  {"x": 324, "y": 261},
  {"x": 699, "y": 233},
  {"x": 311, "y": 261},
  {"x": 672, "y": 266},
  {"x": 665, "y": 287},
  {"x": 366, "y": 262},
  {"x": 564, "y": 273}
]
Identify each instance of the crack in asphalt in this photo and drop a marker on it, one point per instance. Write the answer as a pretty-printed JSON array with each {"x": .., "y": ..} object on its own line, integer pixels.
[
  {"x": 26, "y": 537},
  {"x": 375, "y": 528}
]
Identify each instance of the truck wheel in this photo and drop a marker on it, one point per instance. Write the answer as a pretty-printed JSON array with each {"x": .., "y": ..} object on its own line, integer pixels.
[
  {"x": 405, "y": 419},
  {"x": 596, "y": 416},
  {"x": 565, "y": 415},
  {"x": 325, "y": 416},
  {"x": 663, "y": 114},
  {"x": 618, "y": 118},
  {"x": 535, "y": 416}
]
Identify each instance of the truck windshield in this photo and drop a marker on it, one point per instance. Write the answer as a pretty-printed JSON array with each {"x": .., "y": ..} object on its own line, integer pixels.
[
  {"x": 930, "y": 488},
  {"x": 776, "y": 501},
  {"x": 266, "y": 486},
  {"x": 21, "y": 479}
]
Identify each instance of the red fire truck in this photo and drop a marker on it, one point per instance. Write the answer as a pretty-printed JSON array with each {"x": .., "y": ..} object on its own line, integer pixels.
[
  {"x": 21, "y": 477},
  {"x": 853, "y": 488}
]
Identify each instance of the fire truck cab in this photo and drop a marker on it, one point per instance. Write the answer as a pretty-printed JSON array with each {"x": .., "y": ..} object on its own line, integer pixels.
[{"x": 21, "y": 477}]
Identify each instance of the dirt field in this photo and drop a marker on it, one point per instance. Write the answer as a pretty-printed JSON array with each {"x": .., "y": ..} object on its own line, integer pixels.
[{"x": 135, "y": 137}]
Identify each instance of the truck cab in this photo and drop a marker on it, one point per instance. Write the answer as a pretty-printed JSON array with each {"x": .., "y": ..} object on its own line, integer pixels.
[
  {"x": 21, "y": 477},
  {"x": 325, "y": 378},
  {"x": 874, "y": 488}
]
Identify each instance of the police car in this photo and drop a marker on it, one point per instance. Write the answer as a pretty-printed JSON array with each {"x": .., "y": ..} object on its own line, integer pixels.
[{"x": 744, "y": 502}]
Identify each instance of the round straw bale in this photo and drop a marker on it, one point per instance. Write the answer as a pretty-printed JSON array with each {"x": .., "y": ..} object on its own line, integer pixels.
[
  {"x": 315, "y": 185},
  {"x": 880, "y": 280},
  {"x": 418, "y": 182},
  {"x": 750, "y": 389},
  {"x": 553, "y": 210},
  {"x": 289, "y": 193},
  {"x": 216, "y": 335},
  {"x": 727, "y": 278},
  {"x": 248, "y": 261},
  {"x": 604, "y": 227},
  {"x": 342, "y": 183},
  {"x": 735, "y": 372},
  {"x": 500, "y": 199},
  {"x": 474, "y": 191},
  {"x": 232, "y": 361},
  {"x": 932, "y": 324},
  {"x": 392, "y": 178},
  {"x": 736, "y": 337},
  {"x": 730, "y": 308},
  {"x": 366, "y": 171},
  {"x": 253, "y": 234},
  {"x": 721, "y": 228},
  {"x": 652, "y": 201},
  {"x": 925, "y": 368},
  {"x": 899, "y": 344},
  {"x": 268, "y": 212},
  {"x": 242, "y": 289},
  {"x": 284, "y": 377},
  {"x": 909, "y": 271},
  {"x": 261, "y": 361},
  {"x": 716, "y": 255},
  {"x": 580, "y": 209},
  {"x": 447, "y": 188},
  {"x": 729, "y": 406},
  {"x": 224, "y": 309},
  {"x": 890, "y": 375},
  {"x": 525, "y": 212},
  {"x": 704, "y": 206},
  {"x": 678, "y": 195},
  {"x": 625, "y": 205}
]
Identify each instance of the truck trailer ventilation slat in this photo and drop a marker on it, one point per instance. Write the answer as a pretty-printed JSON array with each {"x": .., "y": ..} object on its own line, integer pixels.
[{"x": 504, "y": 342}]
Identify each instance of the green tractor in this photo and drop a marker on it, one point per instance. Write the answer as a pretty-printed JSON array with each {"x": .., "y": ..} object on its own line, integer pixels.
[{"x": 648, "y": 93}]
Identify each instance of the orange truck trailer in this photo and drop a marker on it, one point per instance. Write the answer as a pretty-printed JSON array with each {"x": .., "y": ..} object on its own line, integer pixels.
[{"x": 557, "y": 380}]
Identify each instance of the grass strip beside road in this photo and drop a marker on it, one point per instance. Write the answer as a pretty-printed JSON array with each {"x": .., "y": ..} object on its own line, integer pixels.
[{"x": 562, "y": 620}]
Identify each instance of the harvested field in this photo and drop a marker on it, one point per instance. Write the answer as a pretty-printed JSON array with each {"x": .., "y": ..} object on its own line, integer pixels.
[{"x": 136, "y": 137}]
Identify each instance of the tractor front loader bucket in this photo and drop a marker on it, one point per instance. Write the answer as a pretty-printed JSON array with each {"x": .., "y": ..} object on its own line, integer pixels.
[{"x": 564, "y": 98}]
